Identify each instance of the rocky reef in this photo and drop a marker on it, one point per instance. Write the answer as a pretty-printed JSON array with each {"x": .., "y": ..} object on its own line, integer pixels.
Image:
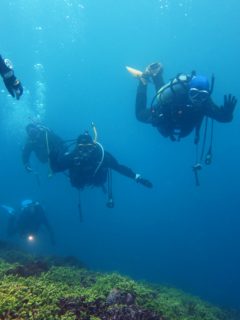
[{"x": 34, "y": 288}]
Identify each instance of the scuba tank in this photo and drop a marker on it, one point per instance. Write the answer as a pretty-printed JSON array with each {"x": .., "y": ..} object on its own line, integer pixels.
[
  {"x": 169, "y": 105},
  {"x": 170, "y": 100},
  {"x": 177, "y": 87}
]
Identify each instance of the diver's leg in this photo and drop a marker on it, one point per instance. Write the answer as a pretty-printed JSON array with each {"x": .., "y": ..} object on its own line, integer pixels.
[
  {"x": 158, "y": 81},
  {"x": 155, "y": 71},
  {"x": 143, "y": 114}
]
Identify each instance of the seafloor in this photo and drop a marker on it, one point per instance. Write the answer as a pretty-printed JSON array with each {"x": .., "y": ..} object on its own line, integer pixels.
[{"x": 35, "y": 288}]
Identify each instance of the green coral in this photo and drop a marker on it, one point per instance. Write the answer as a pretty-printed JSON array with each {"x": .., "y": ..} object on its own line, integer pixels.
[
  {"x": 176, "y": 305},
  {"x": 4, "y": 266},
  {"x": 39, "y": 297},
  {"x": 106, "y": 282}
]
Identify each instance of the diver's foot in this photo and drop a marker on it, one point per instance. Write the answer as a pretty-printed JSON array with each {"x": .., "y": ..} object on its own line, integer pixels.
[{"x": 154, "y": 69}]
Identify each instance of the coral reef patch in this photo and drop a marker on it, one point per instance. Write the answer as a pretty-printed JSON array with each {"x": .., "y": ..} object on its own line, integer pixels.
[{"x": 50, "y": 288}]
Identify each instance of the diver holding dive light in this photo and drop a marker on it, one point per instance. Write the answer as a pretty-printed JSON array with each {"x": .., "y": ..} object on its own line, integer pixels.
[{"x": 27, "y": 221}]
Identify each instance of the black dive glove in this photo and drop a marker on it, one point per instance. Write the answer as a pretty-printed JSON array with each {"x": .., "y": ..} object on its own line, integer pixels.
[
  {"x": 229, "y": 103},
  {"x": 13, "y": 85},
  {"x": 146, "y": 183}
]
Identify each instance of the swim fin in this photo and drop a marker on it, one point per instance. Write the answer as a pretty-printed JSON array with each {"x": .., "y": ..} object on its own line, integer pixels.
[{"x": 134, "y": 72}]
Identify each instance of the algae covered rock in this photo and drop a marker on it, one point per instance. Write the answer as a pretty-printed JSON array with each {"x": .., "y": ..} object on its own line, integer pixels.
[
  {"x": 37, "y": 289},
  {"x": 33, "y": 268}
]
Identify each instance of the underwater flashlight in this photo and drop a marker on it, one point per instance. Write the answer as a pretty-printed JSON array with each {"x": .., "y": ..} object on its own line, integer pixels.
[{"x": 31, "y": 238}]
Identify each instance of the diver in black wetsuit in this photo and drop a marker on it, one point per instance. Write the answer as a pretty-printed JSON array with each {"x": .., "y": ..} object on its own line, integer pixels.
[
  {"x": 40, "y": 141},
  {"x": 88, "y": 164},
  {"x": 27, "y": 222},
  {"x": 180, "y": 105},
  {"x": 12, "y": 84}
]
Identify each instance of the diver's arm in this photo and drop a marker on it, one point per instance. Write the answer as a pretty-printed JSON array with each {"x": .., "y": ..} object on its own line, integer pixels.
[
  {"x": 12, "y": 84},
  {"x": 61, "y": 161},
  {"x": 55, "y": 142},
  {"x": 143, "y": 114},
  {"x": 3, "y": 68},
  {"x": 223, "y": 113}
]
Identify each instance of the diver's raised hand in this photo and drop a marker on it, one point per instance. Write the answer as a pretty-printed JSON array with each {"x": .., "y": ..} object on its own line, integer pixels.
[{"x": 229, "y": 103}]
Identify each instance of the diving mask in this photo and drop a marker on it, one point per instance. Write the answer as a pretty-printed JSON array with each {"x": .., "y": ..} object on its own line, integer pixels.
[{"x": 198, "y": 96}]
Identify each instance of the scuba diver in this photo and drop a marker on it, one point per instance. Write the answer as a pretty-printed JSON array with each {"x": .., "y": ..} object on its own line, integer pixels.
[
  {"x": 88, "y": 164},
  {"x": 180, "y": 106},
  {"x": 41, "y": 141},
  {"x": 12, "y": 84},
  {"x": 27, "y": 221}
]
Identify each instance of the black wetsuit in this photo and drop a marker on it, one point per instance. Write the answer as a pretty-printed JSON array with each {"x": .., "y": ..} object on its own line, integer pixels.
[
  {"x": 12, "y": 84},
  {"x": 3, "y": 68},
  {"x": 41, "y": 145},
  {"x": 179, "y": 118},
  {"x": 88, "y": 167},
  {"x": 29, "y": 221}
]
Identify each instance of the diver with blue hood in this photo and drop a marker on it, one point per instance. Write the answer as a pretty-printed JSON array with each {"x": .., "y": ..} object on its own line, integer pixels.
[
  {"x": 27, "y": 221},
  {"x": 180, "y": 106},
  {"x": 12, "y": 84}
]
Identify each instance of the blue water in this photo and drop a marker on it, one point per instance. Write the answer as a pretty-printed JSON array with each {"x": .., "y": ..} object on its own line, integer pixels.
[{"x": 70, "y": 56}]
